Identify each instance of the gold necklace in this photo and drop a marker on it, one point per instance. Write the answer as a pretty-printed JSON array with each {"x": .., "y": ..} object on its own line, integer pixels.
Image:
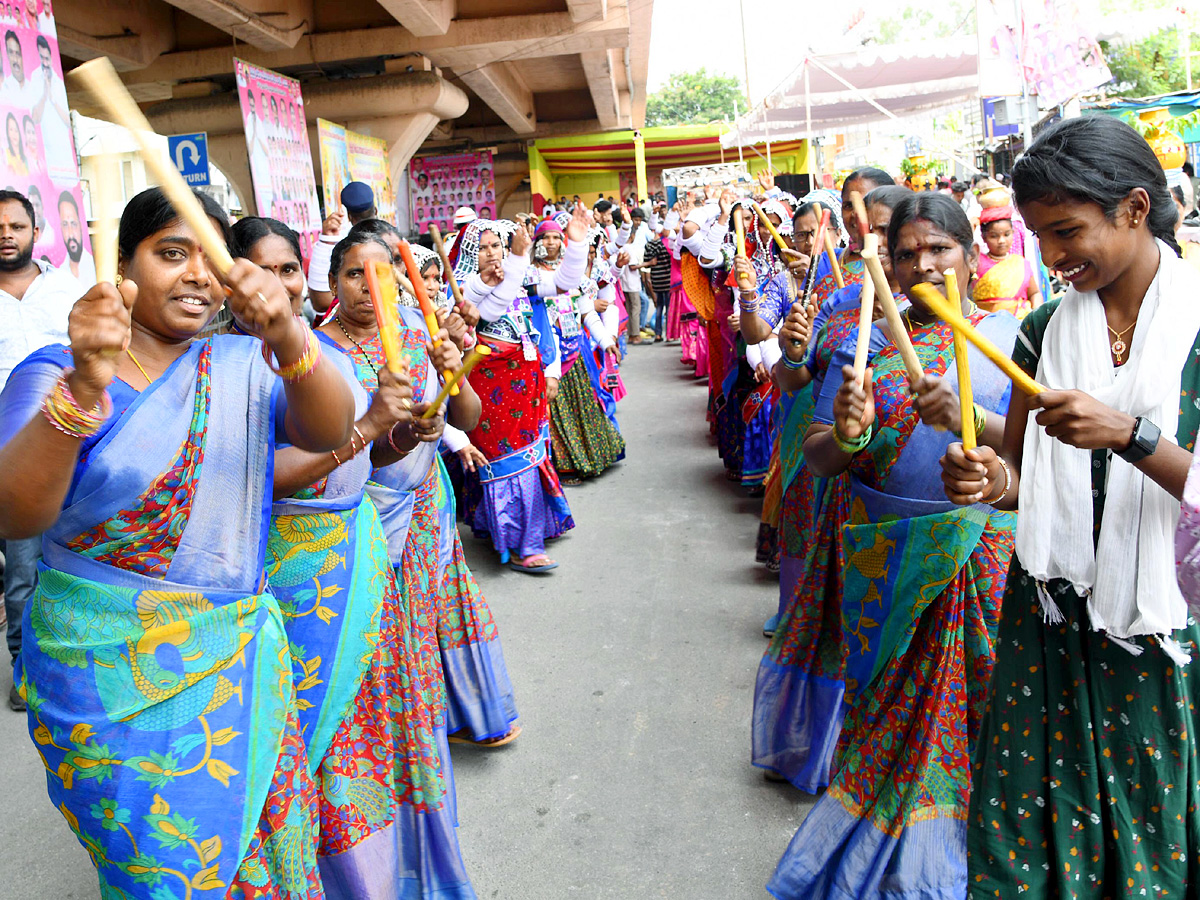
[
  {"x": 149, "y": 380},
  {"x": 1118, "y": 345}
]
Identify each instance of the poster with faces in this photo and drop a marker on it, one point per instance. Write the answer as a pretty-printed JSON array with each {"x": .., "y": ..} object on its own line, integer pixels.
[
  {"x": 438, "y": 185},
  {"x": 281, "y": 164},
  {"x": 39, "y": 159}
]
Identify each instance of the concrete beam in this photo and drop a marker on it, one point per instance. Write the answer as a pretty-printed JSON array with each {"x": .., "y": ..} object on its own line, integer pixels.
[
  {"x": 357, "y": 99},
  {"x": 494, "y": 134},
  {"x": 247, "y": 20},
  {"x": 424, "y": 18},
  {"x": 502, "y": 88},
  {"x": 586, "y": 10},
  {"x": 598, "y": 66},
  {"x": 466, "y": 43},
  {"x": 133, "y": 32},
  {"x": 639, "y": 53}
]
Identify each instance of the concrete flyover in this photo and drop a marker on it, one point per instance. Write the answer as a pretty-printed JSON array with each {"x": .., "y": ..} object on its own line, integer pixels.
[{"x": 423, "y": 74}]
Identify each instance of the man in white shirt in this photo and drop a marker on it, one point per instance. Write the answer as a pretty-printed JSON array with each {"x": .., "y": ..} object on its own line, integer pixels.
[
  {"x": 17, "y": 89},
  {"x": 79, "y": 263},
  {"x": 637, "y": 304},
  {"x": 35, "y": 303},
  {"x": 49, "y": 110}
]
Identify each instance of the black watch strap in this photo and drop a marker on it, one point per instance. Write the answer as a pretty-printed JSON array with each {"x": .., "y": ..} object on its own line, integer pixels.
[{"x": 1144, "y": 441}]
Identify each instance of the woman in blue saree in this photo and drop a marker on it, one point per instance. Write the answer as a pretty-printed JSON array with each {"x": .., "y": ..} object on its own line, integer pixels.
[
  {"x": 921, "y": 589},
  {"x": 358, "y": 688},
  {"x": 156, "y": 663},
  {"x": 801, "y": 691}
]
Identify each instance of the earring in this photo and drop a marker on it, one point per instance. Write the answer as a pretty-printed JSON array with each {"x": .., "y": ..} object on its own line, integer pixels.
[{"x": 119, "y": 280}]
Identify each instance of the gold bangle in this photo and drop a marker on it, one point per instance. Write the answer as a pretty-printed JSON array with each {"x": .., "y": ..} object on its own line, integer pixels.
[{"x": 1007, "y": 482}]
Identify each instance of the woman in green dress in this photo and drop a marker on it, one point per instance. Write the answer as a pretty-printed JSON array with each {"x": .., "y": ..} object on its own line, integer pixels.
[{"x": 1085, "y": 777}]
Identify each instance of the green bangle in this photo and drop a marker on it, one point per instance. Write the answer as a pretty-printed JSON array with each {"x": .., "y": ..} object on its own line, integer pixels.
[
  {"x": 851, "y": 447},
  {"x": 980, "y": 419}
]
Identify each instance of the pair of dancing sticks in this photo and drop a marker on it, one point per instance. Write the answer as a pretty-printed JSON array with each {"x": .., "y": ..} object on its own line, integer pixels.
[{"x": 101, "y": 80}]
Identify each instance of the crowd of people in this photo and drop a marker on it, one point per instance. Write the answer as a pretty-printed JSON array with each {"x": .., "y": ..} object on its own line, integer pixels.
[
  {"x": 242, "y": 622},
  {"x": 984, "y": 703},
  {"x": 243, "y": 625}
]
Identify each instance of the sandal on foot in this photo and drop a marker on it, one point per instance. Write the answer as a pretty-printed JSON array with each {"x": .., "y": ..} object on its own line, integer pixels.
[
  {"x": 543, "y": 563},
  {"x": 487, "y": 743}
]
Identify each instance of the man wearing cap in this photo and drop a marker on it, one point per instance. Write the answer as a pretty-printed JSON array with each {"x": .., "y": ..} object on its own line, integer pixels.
[
  {"x": 463, "y": 216},
  {"x": 359, "y": 204}
]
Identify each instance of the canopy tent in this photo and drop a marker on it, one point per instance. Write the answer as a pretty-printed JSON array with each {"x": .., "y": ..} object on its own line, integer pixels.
[{"x": 834, "y": 92}]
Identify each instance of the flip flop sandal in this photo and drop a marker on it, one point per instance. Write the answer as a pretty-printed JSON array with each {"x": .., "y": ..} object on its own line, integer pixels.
[
  {"x": 490, "y": 743},
  {"x": 533, "y": 570}
]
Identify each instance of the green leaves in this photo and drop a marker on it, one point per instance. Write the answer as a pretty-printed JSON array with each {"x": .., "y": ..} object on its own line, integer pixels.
[{"x": 695, "y": 98}]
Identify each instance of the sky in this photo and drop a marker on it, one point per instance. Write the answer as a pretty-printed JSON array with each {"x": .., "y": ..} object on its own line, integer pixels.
[{"x": 689, "y": 34}]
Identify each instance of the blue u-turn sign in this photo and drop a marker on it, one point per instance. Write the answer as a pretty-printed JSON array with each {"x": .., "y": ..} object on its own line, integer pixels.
[{"x": 189, "y": 152}]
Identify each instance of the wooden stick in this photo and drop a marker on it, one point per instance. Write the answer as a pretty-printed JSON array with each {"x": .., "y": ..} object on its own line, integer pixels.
[
  {"x": 104, "y": 242},
  {"x": 831, "y": 255},
  {"x": 966, "y": 398},
  {"x": 883, "y": 293},
  {"x": 866, "y": 297},
  {"x": 478, "y": 352},
  {"x": 892, "y": 313},
  {"x": 100, "y": 78},
  {"x": 440, "y": 246},
  {"x": 739, "y": 235},
  {"x": 418, "y": 285},
  {"x": 930, "y": 296}
]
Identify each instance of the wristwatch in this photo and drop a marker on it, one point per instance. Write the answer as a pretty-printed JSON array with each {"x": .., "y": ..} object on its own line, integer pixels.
[{"x": 1144, "y": 441}]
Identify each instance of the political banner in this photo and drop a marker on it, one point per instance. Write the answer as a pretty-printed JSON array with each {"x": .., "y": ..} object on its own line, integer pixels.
[
  {"x": 39, "y": 148},
  {"x": 369, "y": 164},
  {"x": 281, "y": 164},
  {"x": 335, "y": 162},
  {"x": 1043, "y": 44},
  {"x": 438, "y": 185}
]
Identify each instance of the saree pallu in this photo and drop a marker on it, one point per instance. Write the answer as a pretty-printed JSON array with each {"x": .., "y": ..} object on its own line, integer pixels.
[
  {"x": 922, "y": 586},
  {"x": 421, "y": 854},
  {"x": 1004, "y": 285},
  {"x": 479, "y": 694},
  {"x": 674, "y": 312},
  {"x": 156, "y": 668},
  {"x": 599, "y": 368},
  {"x": 757, "y": 411},
  {"x": 523, "y": 504},
  {"x": 583, "y": 442}
]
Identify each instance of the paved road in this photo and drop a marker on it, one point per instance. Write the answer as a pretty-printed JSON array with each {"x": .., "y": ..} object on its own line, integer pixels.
[{"x": 634, "y": 667}]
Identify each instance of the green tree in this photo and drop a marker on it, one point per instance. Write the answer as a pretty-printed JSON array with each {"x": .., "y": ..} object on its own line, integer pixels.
[
  {"x": 1148, "y": 67},
  {"x": 695, "y": 98},
  {"x": 920, "y": 23}
]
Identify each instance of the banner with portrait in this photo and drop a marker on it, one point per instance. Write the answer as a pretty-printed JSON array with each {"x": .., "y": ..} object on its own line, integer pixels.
[
  {"x": 335, "y": 162},
  {"x": 438, "y": 185},
  {"x": 369, "y": 164},
  {"x": 281, "y": 164},
  {"x": 39, "y": 147}
]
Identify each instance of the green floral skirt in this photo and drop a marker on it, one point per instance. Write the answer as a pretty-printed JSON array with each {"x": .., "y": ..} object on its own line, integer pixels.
[{"x": 1086, "y": 781}]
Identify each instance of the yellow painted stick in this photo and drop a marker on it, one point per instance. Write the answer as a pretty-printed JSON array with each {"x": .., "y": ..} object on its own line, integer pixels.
[
  {"x": 739, "y": 235},
  {"x": 762, "y": 217},
  {"x": 447, "y": 269},
  {"x": 100, "y": 78},
  {"x": 966, "y": 398},
  {"x": 930, "y": 296},
  {"x": 478, "y": 352}
]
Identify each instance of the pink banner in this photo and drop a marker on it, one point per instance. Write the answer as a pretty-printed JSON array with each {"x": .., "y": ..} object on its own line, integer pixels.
[
  {"x": 281, "y": 164},
  {"x": 438, "y": 185},
  {"x": 39, "y": 148}
]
